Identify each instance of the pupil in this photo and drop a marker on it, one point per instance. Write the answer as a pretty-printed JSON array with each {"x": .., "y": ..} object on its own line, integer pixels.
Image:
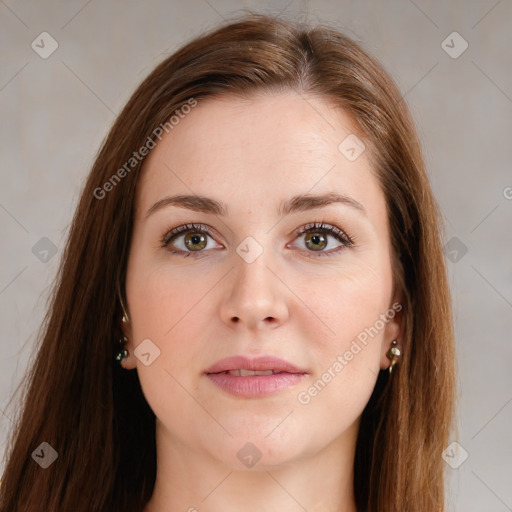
[
  {"x": 317, "y": 239},
  {"x": 195, "y": 240}
]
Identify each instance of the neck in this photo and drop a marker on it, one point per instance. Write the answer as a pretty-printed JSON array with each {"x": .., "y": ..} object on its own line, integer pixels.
[{"x": 192, "y": 481}]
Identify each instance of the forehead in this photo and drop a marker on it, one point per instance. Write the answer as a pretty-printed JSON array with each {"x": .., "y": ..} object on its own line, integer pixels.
[
  {"x": 266, "y": 147},
  {"x": 269, "y": 127}
]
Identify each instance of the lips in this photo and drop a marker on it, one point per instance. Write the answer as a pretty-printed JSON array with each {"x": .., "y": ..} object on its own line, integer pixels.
[
  {"x": 259, "y": 377},
  {"x": 250, "y": 366}
]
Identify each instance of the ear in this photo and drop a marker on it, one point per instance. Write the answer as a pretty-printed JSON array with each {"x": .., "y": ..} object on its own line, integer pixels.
[
  {"x": 124, "y": 322},
  {"x": 125, "y": 325},
  {"x": 394, "y": 329},
  {"x": 123, "y": 318}
]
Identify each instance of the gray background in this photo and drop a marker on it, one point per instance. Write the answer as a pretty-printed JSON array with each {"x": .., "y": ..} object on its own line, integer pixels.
[{"x": 56, "y": 111}]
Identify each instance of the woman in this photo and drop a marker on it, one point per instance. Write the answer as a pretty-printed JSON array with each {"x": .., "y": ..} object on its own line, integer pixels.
[{"x": 259, "y": 233}]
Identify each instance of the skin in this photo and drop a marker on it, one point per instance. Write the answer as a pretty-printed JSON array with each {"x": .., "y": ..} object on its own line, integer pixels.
[{"x": 251, "y": 154}]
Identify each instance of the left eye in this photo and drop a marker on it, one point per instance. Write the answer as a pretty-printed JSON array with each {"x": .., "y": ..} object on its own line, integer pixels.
[{"x": 316, "y": 238}]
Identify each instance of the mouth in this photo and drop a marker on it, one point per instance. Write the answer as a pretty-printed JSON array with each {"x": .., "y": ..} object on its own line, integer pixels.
[
  {"x": 247, "y": 366},
  {"x": 244, "y": 377},
  {"x": 250, "y": 373}
]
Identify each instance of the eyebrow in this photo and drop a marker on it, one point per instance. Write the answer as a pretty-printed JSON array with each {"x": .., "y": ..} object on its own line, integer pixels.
[{"x": 298, "y": 203}]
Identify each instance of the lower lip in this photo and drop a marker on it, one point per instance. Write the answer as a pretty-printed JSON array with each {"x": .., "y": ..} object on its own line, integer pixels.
[{"x": 255, "y": 386}]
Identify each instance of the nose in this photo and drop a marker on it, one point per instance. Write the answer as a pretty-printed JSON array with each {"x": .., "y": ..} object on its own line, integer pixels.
[{"x": 255, "y": 296}]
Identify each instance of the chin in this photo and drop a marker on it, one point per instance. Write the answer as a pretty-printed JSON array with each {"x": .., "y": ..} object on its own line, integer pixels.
[{"x": 260, "y": 449}]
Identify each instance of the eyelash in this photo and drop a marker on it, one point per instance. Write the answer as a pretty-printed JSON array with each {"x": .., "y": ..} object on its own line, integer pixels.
[{"x": 316, "y": 227}]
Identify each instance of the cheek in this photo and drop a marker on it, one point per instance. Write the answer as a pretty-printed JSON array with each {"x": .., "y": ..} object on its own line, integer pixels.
[
  {"x": 348, "y": 355},
  {"x": 351, "y": 301},
  {"x": 165, "y": 307}
]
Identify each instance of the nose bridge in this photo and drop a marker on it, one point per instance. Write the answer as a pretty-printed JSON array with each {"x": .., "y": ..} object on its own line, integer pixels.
[
  {"x": 251, "y": 275},
  {"x": 255, "y": 294}
]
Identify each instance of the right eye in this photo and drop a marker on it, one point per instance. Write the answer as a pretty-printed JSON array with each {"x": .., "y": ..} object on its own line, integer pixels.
[{"x": 193, "y": 239}]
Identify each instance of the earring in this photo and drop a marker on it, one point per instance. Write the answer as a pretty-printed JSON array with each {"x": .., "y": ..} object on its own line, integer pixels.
[
  {"x": 122, "y": 353},
  {"x": 394, "y": 354}
]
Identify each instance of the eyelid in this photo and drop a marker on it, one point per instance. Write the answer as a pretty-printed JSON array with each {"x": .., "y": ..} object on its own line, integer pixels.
[
  {"x": 345, "y": 240},
  {"x": 174, "y": 232},
  {"x": 324, "y": 227}
]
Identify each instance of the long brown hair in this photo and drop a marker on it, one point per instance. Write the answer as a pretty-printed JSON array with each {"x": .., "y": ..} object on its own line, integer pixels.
[{"x": 93, "y": 413}]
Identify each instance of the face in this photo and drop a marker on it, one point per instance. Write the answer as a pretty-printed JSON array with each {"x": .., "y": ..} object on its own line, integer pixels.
[{"x": 294, "y": 292}]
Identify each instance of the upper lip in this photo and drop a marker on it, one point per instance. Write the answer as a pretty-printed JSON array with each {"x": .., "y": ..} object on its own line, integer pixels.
[{"x": 261, "y": 363}]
